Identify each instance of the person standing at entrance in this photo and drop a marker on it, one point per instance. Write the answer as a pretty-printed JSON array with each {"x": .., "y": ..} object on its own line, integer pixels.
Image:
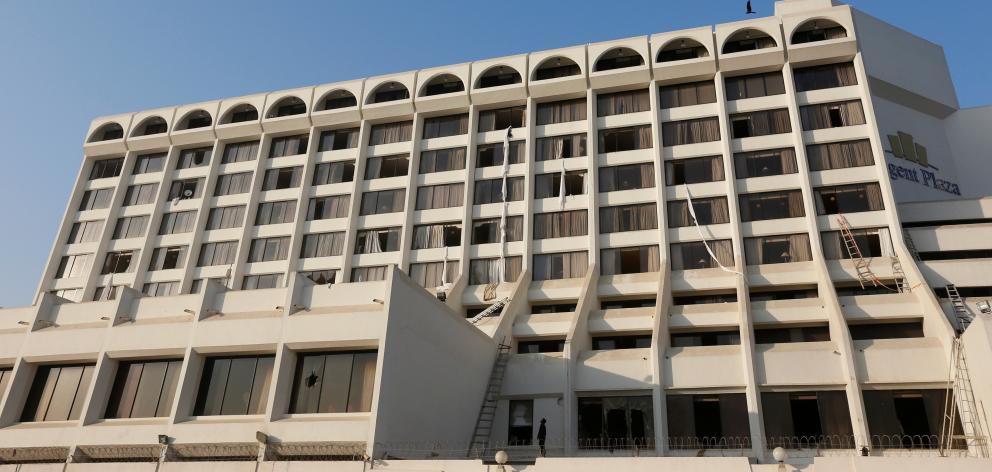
[{"x": 542, "y": 434}]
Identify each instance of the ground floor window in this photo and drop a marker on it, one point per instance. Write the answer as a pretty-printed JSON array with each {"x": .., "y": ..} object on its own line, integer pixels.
[
  {"x": 616, "y": 422},
  {"x": 521, "y": 430},
  {"x": 718, "y": 421}
]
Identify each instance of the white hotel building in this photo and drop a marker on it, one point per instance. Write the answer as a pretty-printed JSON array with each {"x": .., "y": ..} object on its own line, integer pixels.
[{"x": 254, "y": 281}]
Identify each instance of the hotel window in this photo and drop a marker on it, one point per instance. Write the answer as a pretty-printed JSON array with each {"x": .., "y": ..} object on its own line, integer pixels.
[
  {"x": 57, "y": 393},
  {"x": 443, "y": 84},
  {"x": 385, "y": 201},
  {"x": 387, "y": 166},
  {"x": 322, "y": 245},
  {"x": 155, "y": 126},
  {"x": 549, "y": 185},
  {"x": 490, "y": 155},
  {"x": 743, "y": 41},
  {"x": 709, "y": 211},
  {"x": 288, "y": 146},
  {"x": 233, "y": 184},
  {"x": 282, "y": 178},
  {"x": 333, "y": 382},
  {"x": 882, "y": 330},
  {"x": 611, "y": 343},
  {"x": 486, "y": 231},
  {"x": 269, "y": 249},
  {"x": 272, "y": 213},
  {"x": 839, "y": 155},
  {"x": 165, "y": 258},
  {"x": 198, "y": 284},
  {"x": 85, "y": 232},
  {"x": 323, "y": 208},
  {"x": 694, "y": 171},
  {"x": 240, "y": 152},
  {"x": 226, "y": 217},
  {"x": 824, "y": 77},
  {"x": 708, "y": 421},
  {"x": 562, "y": 265},
  {"x": 498, "y": 76},
  {"x": 321, "y": 277},
  {"x": 218, "y": 253},
  {"x": 487, "y": 271},
  {"x": 243, "y": 113},
  {"x": 772, "y": 205},
  {"x": 627, "y": 303},
  {"x": 765, "y": 163},
  {"x": 144, "y": 389},
  {"x": 787, "y": 294},
  {"x": 429, "y": 274},
  {"x": 185, "y": 189},
  {"x": 693, "y": 255},
  {"x": 563, "y": 147},
  {"x": 373, "y": 241},
  {"x": 337, "y": 139},
  {"x": 627, "y": 177},
  {"x": 198, "y": 157},
  {"x": 491, "y": 190},
  {"x": 442, "y": 160},
  {"x": 760, "y": 123},
  {"x": 100, "y": 198},
  {"x": 561, "y": 224},
  {"x": 706, "y": 338},
  {"x": 339, "y": 99},
  {"x": 177, "y": 222},
  {"x": 832, "y": 115},
  {"x": 119, "y": 262},
  {"x": 234, "y": 385},
  {"x": 106, "y": 168},
  {"x": 130, "y": 227},
  {"x": 777, "y": 249},
  {"x": 683, "y": 95},
  {"x": 619, "y": 103},
  {"x": 141, "y": 194},
  {"x": 161, "y": 289},
  {"x": 539, "y": 346},
  {"x": 334, "y": 172},
  {"x": 553, "y": 308},
  {"x": 872, "y": 242},
  {"x": 387, "y": 133},
  {"x": 625, "y": 139},
  {"x": 73, "y": 266},
  {"x": 823, "y": 417},
  {"x": 561, "y": 68},
  {"x": 564, "y": 111},
  {"x": 369, "y": 273},
  {"x": 699, "y": 130},
  {"x": 630, "y": 260},
  {"x": 288, "y": 107},
  {"x": 616, "y": 422},
  {"x": 437, "y": 235},
  {"x": 811, "y": 33},
  {"x": 503, "y": 118},
  {"x": 618, "y": 219},
  {"x": 261, "y": 281},
  {"x": 848, "y": 199},
  {"x": 780, "y": 333},
  {"x": 911, "y": 419},
  {"x": 440, "y": 196},
  {"x": 443, "y": 126},
  {"x": 692, "y": 299},
  {"x": 752, "y": 86},
  {"x": 149, "y": 163}
]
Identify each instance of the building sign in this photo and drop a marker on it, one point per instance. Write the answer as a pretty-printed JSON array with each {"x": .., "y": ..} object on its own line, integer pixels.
[{"x": 905, "y": 148}]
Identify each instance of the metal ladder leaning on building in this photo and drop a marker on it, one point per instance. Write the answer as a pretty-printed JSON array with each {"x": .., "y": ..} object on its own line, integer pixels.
[
  {"x": 863, "y": 266},
  {"x": 487, "y": 412},
  {"x": 960, "y": 399}
]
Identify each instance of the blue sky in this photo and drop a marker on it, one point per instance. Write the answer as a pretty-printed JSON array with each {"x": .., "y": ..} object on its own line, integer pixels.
[{"x": 64, "y": 63}]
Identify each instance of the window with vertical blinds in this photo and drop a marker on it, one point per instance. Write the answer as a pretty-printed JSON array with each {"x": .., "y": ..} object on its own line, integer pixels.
[
  {"x": 272, "y": 213},
  {"x": 130, "y": 227},
  {"x": 234, "y": 385},
  {"x": 486, "y": 230},
  {"x": 625, "y": 139},
  {"x": 288, "y": 146},
  {"x": 100, "y": 198},
  {"x": 334, "y": 172},
  {"x": 196, "y": 157},
  {"x": 699, "y": 130},
  {"x": 57, "y": 393},
  {"x": 630, "y": 260},
  {"x": 620, "y": 103},
  {"x": 385, "y": 201},
  {"x": 233, "y": 184},
  {"x": 177, "y": 222},
  {"x": 693, "y": 255},
  {"x": 429, "y": 274},
  {"x": 165, "y": 258},
  {"x": 772, "y": 205},
  {"x": 141, "y": 194},
  {"x": 561, "y": 224},
  {"x": 369, "y": 273},
  {"x": 149, "y": 163},
  {"x": 261, "y": 281},
  {"x": 695, "y": 170},
  {"x": 217, "y": 253},
  {"x": 824, "y": 77},
  {"x": 637, "y": 217},
  {"x": 832, "y": 115},
  {"x": 382, "y": 167},
  {"x": 387, "y": 133},
  {"x": 144, "y": 389},
  {"x": 760, "y": 123},
  {"x": 840, "y": 155},
  {"x": 561, "y": 147},
  {"x": 765, "y": 163},
  {"x": 374, "y": 241},
  {"x": 282, "y": 178},
  {"x": 226, "y": 217},
  {"x": 561, "y": 265},
  {"x": 549, "y": 185},
  {"x": 502, "y": 118},
  {"x": 240, "y": 152},
  {"x": 853, "y": 198},
  {"x": 683, "y": 95},
  {"x": 561, "y": 112},
  {"x": 269, "y": 249},
  {"x": 490, "y": 155},
  {"x": 322, "y": 208},
  {"x": 486, "y": 271},
  {"x": 437, "y": 235},
  {"x": 337, "y": 139},
  {"x": 333, "y": 382},
  {"x": 442, "y": 160},
  {"x": 757, "y": 85},
  {"x": 85, "y": 232},
  {"x": 777, "y": 249},
  {"x": 322, "y": 245},
  {"x": 440, "y": 196},
  {"x": 491, "y": 190},
  {"x": 709, "y": 211},
  {"x": 443, "y": 126}
]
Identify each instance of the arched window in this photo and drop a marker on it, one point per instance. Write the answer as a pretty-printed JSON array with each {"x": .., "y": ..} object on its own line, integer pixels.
[
  {"x": 240, "y": 114},
  {"x": 818, "y": 30},
  {"x": 681, "y": 50},
  {"x": 747, "y": 40},
  {"x": 108, "y": 132},
  {"x": 388, "y": 92},
  {"x": 442, "y": 84},
  {"x": 555, "y": 67},
  {"x": 196, "y": 119},
  {"x": 288, "y": 106},
  {"x": 499, "y": 75},
  {"x": 151, "y": 125},
  {"x": 619, "y": 58},
  {"x": 338, "y": 99}
]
